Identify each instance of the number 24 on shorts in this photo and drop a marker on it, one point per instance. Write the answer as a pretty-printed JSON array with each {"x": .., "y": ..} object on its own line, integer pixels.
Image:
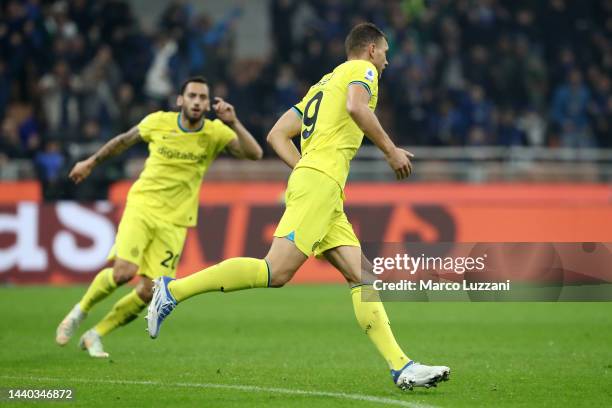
[{"x": 170, "y": 260}]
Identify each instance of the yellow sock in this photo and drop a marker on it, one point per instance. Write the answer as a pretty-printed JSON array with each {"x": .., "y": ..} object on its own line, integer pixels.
[
  {"x": 372, "y": 318},
  {"x": 227, "y": 276},
  {"x": 102, "y": 286},
  {"x": 123, "y": 312}
]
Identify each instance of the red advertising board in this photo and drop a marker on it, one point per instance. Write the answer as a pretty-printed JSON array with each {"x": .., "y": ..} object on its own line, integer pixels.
[{"x": 68, "y": 241}]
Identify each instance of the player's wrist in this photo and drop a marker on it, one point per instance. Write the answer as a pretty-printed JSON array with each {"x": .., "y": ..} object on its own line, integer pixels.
[{"x": 388, "y": 150}]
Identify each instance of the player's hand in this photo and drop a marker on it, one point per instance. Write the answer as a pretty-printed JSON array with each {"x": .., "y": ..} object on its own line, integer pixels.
[
  {"x": 81, "y": 170},
  {"x": 225, "y": 111},
  {"x": 399, "y": 161}
]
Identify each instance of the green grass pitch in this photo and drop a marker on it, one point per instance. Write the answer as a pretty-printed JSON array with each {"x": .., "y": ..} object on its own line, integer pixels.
[{"x": 301, "y": 346}]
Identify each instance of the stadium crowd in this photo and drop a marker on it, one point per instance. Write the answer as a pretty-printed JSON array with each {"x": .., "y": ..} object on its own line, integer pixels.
[{"x": 461, "y": 73}]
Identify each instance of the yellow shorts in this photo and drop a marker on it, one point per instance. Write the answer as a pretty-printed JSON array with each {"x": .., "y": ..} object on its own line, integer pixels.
[
  {"x": 314, "y": 217},
  {"x": 152, "y": 244}
]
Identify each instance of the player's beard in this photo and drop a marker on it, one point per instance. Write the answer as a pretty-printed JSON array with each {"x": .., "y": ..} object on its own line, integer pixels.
[{"x": 190, "y": 118}]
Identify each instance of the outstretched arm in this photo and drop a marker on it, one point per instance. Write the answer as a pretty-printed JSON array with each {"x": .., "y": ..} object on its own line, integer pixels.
[
  {"x": 113, "y": 147},
  {"x": 244, "y": 146},
  {"x": 285, "y": 128},
  {"x": 357, "y": 106}
]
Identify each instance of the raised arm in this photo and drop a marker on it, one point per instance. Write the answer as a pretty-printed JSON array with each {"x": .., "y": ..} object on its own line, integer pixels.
[
  {"x": 285, "y": 128},
  {"x": 113, "y": 147},
  {"x": 357, "y": 107},
  {"x": 244, "y": 146}
]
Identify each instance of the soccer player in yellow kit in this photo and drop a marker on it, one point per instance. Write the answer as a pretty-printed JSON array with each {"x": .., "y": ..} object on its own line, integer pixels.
[
  {"x": 331, "y": 120},
  {"x": 161, "y": 204}
]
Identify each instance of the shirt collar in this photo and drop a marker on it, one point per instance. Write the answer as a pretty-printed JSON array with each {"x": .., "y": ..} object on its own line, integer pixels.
[{"x": 178, "y": 121}]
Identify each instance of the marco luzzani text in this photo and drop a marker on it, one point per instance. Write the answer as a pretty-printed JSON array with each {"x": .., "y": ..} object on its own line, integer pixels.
[{"x": 405, "y": 263}]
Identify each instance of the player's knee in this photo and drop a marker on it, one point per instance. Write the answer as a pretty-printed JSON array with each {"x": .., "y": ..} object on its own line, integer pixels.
[
  {"x": 278, "y": 280},
  {"x": 352, "y": 278},
  {"x": 123, "y": 272},
  {"x": 280, "y": 276},
  {"x": 283, "y": 259},
  {"x": 367, "y": 274}
]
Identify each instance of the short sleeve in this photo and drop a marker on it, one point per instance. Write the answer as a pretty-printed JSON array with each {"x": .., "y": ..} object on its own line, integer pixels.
[
  {"x": 299, "y": 107},
  {"x": 363, "y": 73},
  {"x": 223, "y": 135},
  {"x": 148, "y": 125}
]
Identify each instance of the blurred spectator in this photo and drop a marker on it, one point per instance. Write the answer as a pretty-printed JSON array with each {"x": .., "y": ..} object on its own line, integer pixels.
[
  {"x": 159, "y": 85},
  {"x": 50, "y": 161},
  {"x": 10, "y": 144},
  {"x": 508, "y": 133},
  {"x": 525, "y": 18},
  {"x": 244, "y": 94},
  {"x": 82, "y": 13},
  {"x": 176, "y": 15},
  {"x": 477, "y": 136},
  {"x": 569, "y": 111},
  {"x": 477, "y": 110},
  {"x": 314, "y": 60},
  {"x": 478, "y": 67},
  {"x": 533, "y": 125},
  {"x": 204, "y": 40},
  {"x": 282, "y": 12},
  {"x": 482, "y": 22},
  {"x": 49, "y": 164},
  {"x": 286, "y": 89},
  {"x": 510, "y": 75},
  {"x": 412, "y": 99},
  {"x": 603, "y": 124},
  {"x": 59, "y": 24},
  {"x": 556, "y": 23},
  {"x": 535, "y": 81},
  {"x": 452, "y": 71},
  {"x": 59, "y": 96},
  {"x": 100, "y": 78},
  {"x": 130, "y": 110},
  {"x": 29, "y": 131},
  {"x": 5, "y": 88},
  {"x": 447, "y": 125}
]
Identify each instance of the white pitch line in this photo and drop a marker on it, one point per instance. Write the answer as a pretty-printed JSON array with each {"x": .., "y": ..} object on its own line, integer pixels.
[{"x": 246, "y": 388}]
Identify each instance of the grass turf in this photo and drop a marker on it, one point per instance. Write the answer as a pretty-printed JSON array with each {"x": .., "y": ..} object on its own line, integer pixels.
[{"x": 306, "y": 338}]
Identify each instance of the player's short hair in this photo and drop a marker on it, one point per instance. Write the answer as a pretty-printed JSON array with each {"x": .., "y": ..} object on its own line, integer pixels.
[
  {"x": 199, "y": 79},
  {"x": 361, "y": 35}
]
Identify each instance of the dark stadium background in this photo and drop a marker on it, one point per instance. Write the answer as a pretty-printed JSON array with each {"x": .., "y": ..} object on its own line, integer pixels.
[
  {"x": 485, "y": 73},
  {"x": 506, "y": 104}
]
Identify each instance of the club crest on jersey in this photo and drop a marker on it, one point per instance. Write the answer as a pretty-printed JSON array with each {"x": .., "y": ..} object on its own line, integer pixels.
[
  {"x": 369, "y": 75},
  {"x": 315, "y": 245}
]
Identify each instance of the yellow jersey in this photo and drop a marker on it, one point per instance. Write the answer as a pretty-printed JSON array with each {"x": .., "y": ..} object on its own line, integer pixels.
[
  {"x": 329, "y": 136},
  {"x": 169, "y": 185}
]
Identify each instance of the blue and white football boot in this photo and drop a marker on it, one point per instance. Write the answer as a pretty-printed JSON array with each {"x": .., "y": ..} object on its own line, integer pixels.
[{"x": 162, "y": 304}]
